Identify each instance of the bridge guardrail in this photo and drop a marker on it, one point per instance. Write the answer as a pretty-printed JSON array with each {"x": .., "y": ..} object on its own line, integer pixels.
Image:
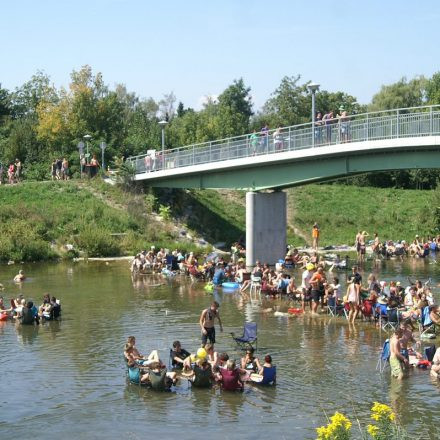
[{"x": 386, "y": 124}]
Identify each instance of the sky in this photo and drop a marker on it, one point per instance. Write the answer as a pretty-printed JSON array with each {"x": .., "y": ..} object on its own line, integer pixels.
[{"x": 197, "y": 48}]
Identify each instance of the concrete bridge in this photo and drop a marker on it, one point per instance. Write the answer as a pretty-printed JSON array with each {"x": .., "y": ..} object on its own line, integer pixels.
[{"x": 406, "y": 138}]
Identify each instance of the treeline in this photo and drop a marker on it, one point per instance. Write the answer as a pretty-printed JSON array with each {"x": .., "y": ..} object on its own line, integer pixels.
[{"x": 39, "y": 122}]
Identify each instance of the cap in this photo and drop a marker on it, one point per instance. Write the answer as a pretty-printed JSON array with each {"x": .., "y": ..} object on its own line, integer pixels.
[
  {"x": 310, "y": 266},
  {"x": 280, "y": 261}
]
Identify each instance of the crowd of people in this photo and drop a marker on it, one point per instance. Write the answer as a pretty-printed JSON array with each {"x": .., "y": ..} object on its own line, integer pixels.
[
  {"x": 24, "y": 311},
  {"x": 204, "y": 368},
  {"x": 59, "y": 169}
]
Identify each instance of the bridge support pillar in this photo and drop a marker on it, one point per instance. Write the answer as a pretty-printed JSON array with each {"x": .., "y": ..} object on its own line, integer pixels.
[{"x": 266, "y": 225}]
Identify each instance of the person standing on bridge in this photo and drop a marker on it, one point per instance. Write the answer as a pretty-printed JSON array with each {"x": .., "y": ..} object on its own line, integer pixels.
[
  {"x": 315, "y": 236},
  {"x": 253, "y": 143},
  {"x": 328, "y": 120}
]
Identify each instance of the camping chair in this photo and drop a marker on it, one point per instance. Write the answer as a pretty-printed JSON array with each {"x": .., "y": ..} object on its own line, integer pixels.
[
  {"x": 392, "y": 319},
  {"x": 384, "y": 357},
  {"x": 426, "y": 327},
  {"x": 255, "y": 289},
  {"x": 429, "y": 352},
  {"x": 335, "y": 309},
  {"x": 249, "y": 336}
]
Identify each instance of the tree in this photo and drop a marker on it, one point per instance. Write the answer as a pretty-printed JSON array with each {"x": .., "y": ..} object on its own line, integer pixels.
[
  {"x": 401, "y": 94},
  {"x": 433, "y": 89},
  {"x": 166, "y": 106},
  {"x": 289, "y": 104}
]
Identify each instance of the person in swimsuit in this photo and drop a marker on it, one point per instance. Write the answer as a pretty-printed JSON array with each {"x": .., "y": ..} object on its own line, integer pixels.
[
  {"x": 397, "y": 360},
  {"x": 206, "y": 322},
  {"x": 353, "y": 298},
  {"x": 250, "y": 363}
]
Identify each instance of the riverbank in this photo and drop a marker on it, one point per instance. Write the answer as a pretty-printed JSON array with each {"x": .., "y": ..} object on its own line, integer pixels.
[{"x": 50, "y": 220}]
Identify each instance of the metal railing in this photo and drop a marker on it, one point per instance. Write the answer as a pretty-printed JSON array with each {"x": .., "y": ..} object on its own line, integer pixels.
[{"x": 386, "y": 124}]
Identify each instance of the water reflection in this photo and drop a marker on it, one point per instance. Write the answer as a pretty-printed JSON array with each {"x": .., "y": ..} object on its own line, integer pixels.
[{"x": 323, "y": 363}]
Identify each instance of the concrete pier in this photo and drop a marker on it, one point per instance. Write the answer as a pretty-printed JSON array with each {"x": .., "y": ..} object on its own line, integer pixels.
[{"x": 266, "y": 227}]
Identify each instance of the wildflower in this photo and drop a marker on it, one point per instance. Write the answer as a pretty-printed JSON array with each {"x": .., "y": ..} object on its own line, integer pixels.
[
  {"x": 382, "y": 412},
  {"x": 373, "y": 431}
]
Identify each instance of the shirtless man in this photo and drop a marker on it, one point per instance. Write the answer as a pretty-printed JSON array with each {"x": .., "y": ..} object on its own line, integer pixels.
[
  {"x": 20, "y": 277},
  {"x": 398, "y": 362},
  {"x": 206, "y": 322},
  {"x": 407, "y": 337}
]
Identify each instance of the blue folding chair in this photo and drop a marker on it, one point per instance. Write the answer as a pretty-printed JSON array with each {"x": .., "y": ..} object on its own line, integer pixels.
[
  {"x": 427, "y": 328},
  {"x": 249, "y": 336},
  {"x": 384, "y": 357}
]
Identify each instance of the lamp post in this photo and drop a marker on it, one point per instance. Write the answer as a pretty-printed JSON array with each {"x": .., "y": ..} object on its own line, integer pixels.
[
  {"x": 162, "y": 125},
  {"x": 87, "y": 138},
  {"x": 313, "y": 87}
]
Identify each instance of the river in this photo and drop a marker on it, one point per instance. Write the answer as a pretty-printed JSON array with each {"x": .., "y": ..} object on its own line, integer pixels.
[{"x": 67, "y": 378}]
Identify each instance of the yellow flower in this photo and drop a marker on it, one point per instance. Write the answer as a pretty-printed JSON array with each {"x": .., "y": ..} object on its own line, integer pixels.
[
  {"x": 373, "y": 430},
  {"x": 381, "y": 411}
]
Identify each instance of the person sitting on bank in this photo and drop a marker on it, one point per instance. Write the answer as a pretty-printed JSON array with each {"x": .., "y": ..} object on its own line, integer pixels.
[
  {"x": 178, "y": 355},
  {"x": 20, "y": 277}
]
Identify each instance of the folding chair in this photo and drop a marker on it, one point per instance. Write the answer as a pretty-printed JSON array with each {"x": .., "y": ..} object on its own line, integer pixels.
[
  {"x": 335, "y": 309},
  {"x": 384, "y": 357},
  {"x": 392, "y": 319},
  {"x": 427, "y": 328},
  {"x": 429, "y": 352},
  {"x": 255, "y": 289},
  {"x": 249, "y": 336}
]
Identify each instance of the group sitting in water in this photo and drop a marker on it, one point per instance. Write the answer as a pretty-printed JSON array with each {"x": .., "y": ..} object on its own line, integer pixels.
[
  {"x": 25, "y": 312},
  {"x": 203, "y": 369}
]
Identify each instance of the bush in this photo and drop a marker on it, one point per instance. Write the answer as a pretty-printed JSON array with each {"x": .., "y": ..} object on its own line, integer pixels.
[{"x": 97, "y": 242}]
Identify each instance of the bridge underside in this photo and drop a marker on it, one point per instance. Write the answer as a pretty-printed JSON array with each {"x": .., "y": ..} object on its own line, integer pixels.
[{"x": 285, "y": 174}]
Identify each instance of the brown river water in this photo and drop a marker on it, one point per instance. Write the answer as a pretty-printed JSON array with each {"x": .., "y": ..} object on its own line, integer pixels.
[{"x": 67, "y": 379}]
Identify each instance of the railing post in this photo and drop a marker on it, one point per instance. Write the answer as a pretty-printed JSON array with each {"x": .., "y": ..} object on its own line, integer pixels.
[
  {"x": 194, "y": 155},
  {"x": 398, "y": 125},
  {"x": 368, "y": 128},
  {"x": 289, "y": 138},
  {"x": 431, "y": 128},
  {"x": 210, "y": 151}
]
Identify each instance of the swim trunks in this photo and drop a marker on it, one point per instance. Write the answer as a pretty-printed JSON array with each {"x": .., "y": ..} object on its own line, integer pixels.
[
  {"x": 396, "y": 366},
  {"x": 210, "y": 334}
]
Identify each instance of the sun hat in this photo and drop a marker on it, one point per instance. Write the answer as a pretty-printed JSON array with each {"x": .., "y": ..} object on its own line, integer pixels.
[
  {"x": 365, "y": 233},
  {"x": 310, "y": 266}
]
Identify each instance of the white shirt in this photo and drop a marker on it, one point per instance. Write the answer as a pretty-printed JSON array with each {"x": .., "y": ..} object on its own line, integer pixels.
[{"x": 306, "y": 277}]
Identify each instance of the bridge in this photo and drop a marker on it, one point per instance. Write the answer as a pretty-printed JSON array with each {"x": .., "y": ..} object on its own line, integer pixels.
[{"x": 406, "y": 138}]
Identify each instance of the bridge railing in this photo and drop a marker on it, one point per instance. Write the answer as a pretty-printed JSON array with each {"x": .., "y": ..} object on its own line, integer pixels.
[{"x": 386, "y": 124}]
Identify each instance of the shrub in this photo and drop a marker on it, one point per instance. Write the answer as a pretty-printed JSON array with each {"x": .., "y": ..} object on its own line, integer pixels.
[{"x": 97, "y": 242}]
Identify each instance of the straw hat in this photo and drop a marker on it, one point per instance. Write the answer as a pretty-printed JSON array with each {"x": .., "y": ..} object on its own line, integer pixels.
[{"x": 365, "y": 233}]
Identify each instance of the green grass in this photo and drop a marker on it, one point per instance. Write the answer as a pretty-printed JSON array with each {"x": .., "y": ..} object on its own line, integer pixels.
[
  {"x": 38, "y": 218},
  {"x": 341, "y": 211}
]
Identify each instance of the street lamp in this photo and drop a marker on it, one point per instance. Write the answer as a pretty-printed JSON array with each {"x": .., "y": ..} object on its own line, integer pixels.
[
  {"x": 313, "y": 87},
  {"x": 162, "y": 125},
  {"x": 87, "y": 138}
]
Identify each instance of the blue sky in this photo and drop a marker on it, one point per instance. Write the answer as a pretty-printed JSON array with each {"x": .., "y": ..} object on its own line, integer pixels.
[{"x": 197, "y": 48}]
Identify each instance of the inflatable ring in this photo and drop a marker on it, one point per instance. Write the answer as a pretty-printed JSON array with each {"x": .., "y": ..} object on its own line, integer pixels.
[
  {"x": 295, "y": 311},
  {"x": 230, "y": 285}
]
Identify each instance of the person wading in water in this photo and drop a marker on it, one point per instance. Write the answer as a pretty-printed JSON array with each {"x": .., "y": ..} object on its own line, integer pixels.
[{"x": 206, "y": 322}]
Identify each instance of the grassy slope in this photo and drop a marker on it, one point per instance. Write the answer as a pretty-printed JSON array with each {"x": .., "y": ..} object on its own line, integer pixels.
[
  {"x": 341, "y": 211},
  {"x": 34, "y": 215}
]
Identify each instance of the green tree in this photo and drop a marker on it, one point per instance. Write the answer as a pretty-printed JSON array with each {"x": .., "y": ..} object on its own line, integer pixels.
[
  {"x": 433, "y": 89},
  {"x": 401, "y": 94}
]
